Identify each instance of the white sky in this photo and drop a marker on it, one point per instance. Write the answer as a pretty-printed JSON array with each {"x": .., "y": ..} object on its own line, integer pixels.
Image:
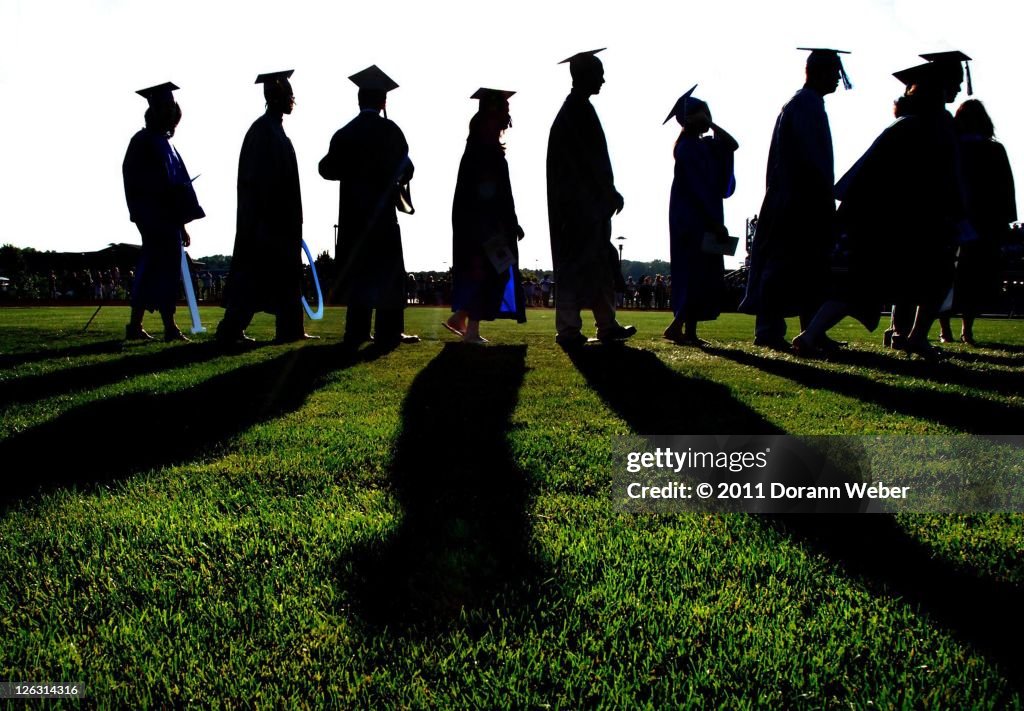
[{"x": 69, "y": 70}]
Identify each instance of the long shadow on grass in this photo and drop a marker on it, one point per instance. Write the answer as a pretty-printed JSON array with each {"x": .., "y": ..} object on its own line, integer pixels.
[
  {"x": 110, "y": 439},
  {"x": 37, "y": 387},
  {"x": 988, "y": 357},
  {"x": 462, "y": 545},
  {"x": 9, "y": 360},
  {"x": 655, "y": 399},
  {"x": 968, "y": 413},
  {"x": 980, "y": 611},
  {"x": 948, "y": 372}
]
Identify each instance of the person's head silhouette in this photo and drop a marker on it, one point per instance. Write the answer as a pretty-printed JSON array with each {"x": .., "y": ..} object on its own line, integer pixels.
[
  {"x": 374, "y": 86},
  {"x": 586, "y": 71},
  {"x": 277, "y": 90},
  {"x": 825, "y": 70},
  {"x": 493, "y": 116},
  {"x": 952, "y": 72},
  {"x": 163, "y": 114}
]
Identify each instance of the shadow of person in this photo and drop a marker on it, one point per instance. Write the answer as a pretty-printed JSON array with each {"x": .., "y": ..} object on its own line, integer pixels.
[
  {"x": 983, "y": 612},
  {"x": 994, "y": 355},
  {"x": 10, "y": 360},
  {"x": 123, "y": 435},
  {"x": 949, "y": 372},
  {"x": 655, "y": 399},
  {"x": 37, "y": 387},
  {"x": 462, "y": 545},
  {"x": 968, "y": 413}
]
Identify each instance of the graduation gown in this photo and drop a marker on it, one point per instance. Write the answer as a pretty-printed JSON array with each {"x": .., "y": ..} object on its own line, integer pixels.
[
  {"x": 161, "y": 202},
  {"x": 703, "y": 178},
  {"x": 581, "y": 197},
  {"x": 266, "y": 267},
  {"x": 483, "y": 209},
  {"x": 902, "y": 202},
  {"x": 370, "y": 158},
  {"x": 991, "y": 207},
  {"x": 789, "y": 256}
]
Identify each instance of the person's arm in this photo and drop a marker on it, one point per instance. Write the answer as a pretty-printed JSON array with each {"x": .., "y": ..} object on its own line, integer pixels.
[
  {"x": 330, "y": 165},
  {"x": 728, "y": 142}
]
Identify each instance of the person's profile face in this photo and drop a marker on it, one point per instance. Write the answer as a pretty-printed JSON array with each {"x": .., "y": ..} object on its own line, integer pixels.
[
  {"x": 591, "y": 76},
  {"x": 952, "y": 90},
  {"x": 281, "y": 97}
]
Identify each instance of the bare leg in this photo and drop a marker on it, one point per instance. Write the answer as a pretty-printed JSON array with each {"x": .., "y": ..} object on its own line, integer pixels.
[
  {"x": 473, "y": 332},
  {"x": 945, "y": 332},
  {"x": 674, "y": 330},
  {"x": 135, "y": 321},
  {"x": 458, "y": 320},
  {"x": 830, "y": 313},
  {"x": 691, "y": 329},
  {"x": 967, "y": 329}
]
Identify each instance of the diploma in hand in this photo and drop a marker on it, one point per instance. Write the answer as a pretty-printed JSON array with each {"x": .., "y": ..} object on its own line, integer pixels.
[{"x": 713, "y": 244}]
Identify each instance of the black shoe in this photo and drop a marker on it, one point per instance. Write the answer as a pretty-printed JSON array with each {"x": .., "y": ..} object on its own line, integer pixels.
[
  {"x": 574, "y": 340},
  {"x": 238, "y": 338},
  {"x": 931, "y": 354},
  {"x": 392, "y": 340},
  {"x": 619, "y": 333},
  {"x": 136, "y": 333},
  {"x": 803, "y": 347},
  {"x": 829, "y": 346},
  {"x": 776, "y": 344},
  {"x": 176, "y": 335},
  {"x": 293, "y": 339}
]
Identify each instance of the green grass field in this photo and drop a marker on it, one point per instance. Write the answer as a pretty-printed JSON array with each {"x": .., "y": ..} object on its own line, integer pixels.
[{"x": 292, "y": 526}]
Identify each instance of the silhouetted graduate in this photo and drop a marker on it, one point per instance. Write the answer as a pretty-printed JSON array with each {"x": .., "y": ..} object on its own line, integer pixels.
[
  {"x": 902, "y": 214},
  {"x": 485, "y": 229},
  {"x": 789, "y": 259},
  {"x": 581, "y": 201},
  {"x": 991, "y": 201},
  {"x": 370, "y": 158},
  {"x": 703, "y": 178},
  {"x": 161, "y": 202},
  {"x": 947, "y": 73},
  {"x": 266, "y": 267}
]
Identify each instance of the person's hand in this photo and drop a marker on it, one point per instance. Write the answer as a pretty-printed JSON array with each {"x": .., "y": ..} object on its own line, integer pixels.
[
  {"x": 185, "y": 239},
  {"x": 519, "y": 233},
  {"x": 721, "y": 232},
  {"x": 618, "y": 202}
]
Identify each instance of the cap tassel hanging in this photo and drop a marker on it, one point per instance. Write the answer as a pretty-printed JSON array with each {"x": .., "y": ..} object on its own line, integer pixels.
[
  {"x": 847, "y": 84},
  {"x": 967, "y": 75}
]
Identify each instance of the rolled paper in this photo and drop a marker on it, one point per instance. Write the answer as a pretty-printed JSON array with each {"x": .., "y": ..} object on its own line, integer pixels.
[
  {"x": 190, "y": 294},
  {"x": 319, "y": 313}
]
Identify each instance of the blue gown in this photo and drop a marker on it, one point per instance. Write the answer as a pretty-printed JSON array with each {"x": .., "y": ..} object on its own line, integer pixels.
[
  {"x": 161, "y": 202},
  {"x": 703, "y": 178},
  {"x": 483, "y": 208}
]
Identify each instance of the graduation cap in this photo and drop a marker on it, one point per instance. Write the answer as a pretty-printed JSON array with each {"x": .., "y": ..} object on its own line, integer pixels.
[
  {"x": 819, "y": 53},
  {"x": 492, "y": 97},
  {"x": 953, "y": 57},
  {"x": 583, "y": 61},
  {"x": 581, "y": 56},
  {"x": 929, "y": 73},
  {"x": 374, "y": 79},
  {"x": 680, "y": 106},
  {"x": 274, "y": 76},
  {"x": 159, "y": 94}
]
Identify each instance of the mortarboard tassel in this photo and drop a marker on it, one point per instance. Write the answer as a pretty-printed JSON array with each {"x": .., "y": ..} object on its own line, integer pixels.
[
  {"x": 847, "y": 84},
  {"x": 967, "y": 73}
]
